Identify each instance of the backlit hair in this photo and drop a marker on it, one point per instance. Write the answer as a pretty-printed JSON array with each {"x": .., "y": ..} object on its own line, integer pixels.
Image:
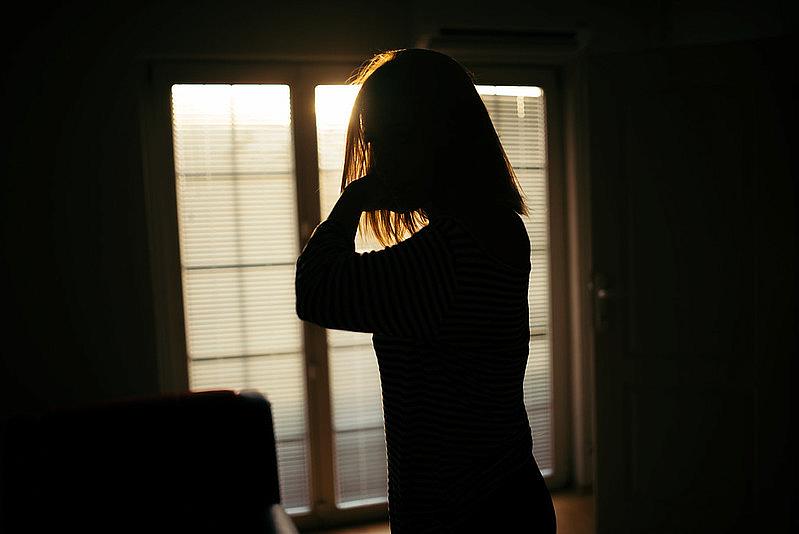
[{"x": 439, "y": 94}]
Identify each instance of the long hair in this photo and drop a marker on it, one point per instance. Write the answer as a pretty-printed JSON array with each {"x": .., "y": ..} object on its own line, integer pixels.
[{"x": 439, "y": 94}]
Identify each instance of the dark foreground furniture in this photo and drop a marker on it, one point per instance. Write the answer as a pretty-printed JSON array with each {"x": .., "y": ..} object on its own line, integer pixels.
[{"x": 195, "y": 462}]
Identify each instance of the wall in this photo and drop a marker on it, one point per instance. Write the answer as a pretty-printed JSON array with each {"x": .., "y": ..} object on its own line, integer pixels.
[{"x": 75, "y": 265}]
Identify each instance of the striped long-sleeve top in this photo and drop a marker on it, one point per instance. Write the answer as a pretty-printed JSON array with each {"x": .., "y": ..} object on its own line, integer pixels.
[{"x": 450, "y": 325}]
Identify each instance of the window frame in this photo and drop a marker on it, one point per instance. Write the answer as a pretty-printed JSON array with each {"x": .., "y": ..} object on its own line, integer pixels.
[{"x": 302, "y": 76}]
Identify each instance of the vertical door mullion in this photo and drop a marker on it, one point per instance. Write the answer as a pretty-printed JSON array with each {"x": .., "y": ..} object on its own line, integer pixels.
[{"x": 315, "y": 339}]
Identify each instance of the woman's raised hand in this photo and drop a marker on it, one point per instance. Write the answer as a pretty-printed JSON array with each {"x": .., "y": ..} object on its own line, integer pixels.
[{"x": 373, "y": 193}]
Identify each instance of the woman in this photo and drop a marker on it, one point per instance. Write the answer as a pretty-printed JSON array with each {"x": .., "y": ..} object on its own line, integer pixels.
[{"x": 447, "y": 306}]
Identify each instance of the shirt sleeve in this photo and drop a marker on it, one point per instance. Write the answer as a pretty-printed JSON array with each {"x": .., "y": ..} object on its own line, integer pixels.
[{"x": 403, "y": 290}]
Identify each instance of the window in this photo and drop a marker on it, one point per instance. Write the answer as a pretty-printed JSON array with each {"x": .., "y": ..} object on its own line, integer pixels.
[{"x": 247, "y": 184}]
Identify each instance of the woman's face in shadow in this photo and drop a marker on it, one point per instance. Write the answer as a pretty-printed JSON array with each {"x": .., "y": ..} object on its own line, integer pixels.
[{"x": 402, "y": 160}]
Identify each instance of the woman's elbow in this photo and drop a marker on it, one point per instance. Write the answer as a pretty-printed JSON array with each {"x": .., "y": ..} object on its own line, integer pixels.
[
  {"x": 303, "y": 312},
  {"x": 300, "y": 306},
  {"x": 304, "y": 303},
  {"x": 300, "y": 291},
  {"x": 310, "y": 295}
]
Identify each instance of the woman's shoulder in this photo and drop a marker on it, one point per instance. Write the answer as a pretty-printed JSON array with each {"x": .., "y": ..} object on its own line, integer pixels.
[{"x": 499, "y": 234}]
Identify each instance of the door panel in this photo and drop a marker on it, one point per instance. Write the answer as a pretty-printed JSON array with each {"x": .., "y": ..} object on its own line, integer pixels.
[{"x": 686, "y": 166}]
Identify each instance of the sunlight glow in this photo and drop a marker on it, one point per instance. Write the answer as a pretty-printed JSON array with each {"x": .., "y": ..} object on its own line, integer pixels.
[
  {"x": 334, "y": 104},
  {"x": 509, "y": 90},
  {"x": 242, "y": 103}
]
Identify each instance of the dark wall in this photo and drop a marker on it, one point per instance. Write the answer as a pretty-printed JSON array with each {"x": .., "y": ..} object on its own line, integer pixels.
[{"x": 75, "y": 266}]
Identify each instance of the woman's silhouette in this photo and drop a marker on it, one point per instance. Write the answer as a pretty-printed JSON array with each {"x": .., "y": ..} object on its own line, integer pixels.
[{"x": 447, "y": 305}]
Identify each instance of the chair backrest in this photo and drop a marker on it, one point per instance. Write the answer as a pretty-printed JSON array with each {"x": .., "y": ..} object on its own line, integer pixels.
[{"x": 199, "y": 460}]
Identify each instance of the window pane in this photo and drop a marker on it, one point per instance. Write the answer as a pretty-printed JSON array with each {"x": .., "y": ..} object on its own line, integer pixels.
[{"x": 234, "y": 164}]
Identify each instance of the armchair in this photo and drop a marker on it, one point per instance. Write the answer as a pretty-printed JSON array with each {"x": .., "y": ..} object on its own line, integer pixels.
[{"x": 197, "y": 461}]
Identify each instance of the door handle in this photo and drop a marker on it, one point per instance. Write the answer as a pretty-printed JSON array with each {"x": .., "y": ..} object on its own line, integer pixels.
[{"x": 603, "y": 294}]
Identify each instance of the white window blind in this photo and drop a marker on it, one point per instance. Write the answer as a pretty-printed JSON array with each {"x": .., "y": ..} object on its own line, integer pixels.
[
  {"x": 238, "y": 247},
  {"x": 518, "y": 114},
  {"x": 519, "y": 117}
]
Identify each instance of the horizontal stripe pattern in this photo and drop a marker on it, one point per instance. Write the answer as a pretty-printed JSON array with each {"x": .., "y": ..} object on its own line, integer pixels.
[
  {"x": 403, "y": 290},
  {"x": 451, "y": 333}
]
